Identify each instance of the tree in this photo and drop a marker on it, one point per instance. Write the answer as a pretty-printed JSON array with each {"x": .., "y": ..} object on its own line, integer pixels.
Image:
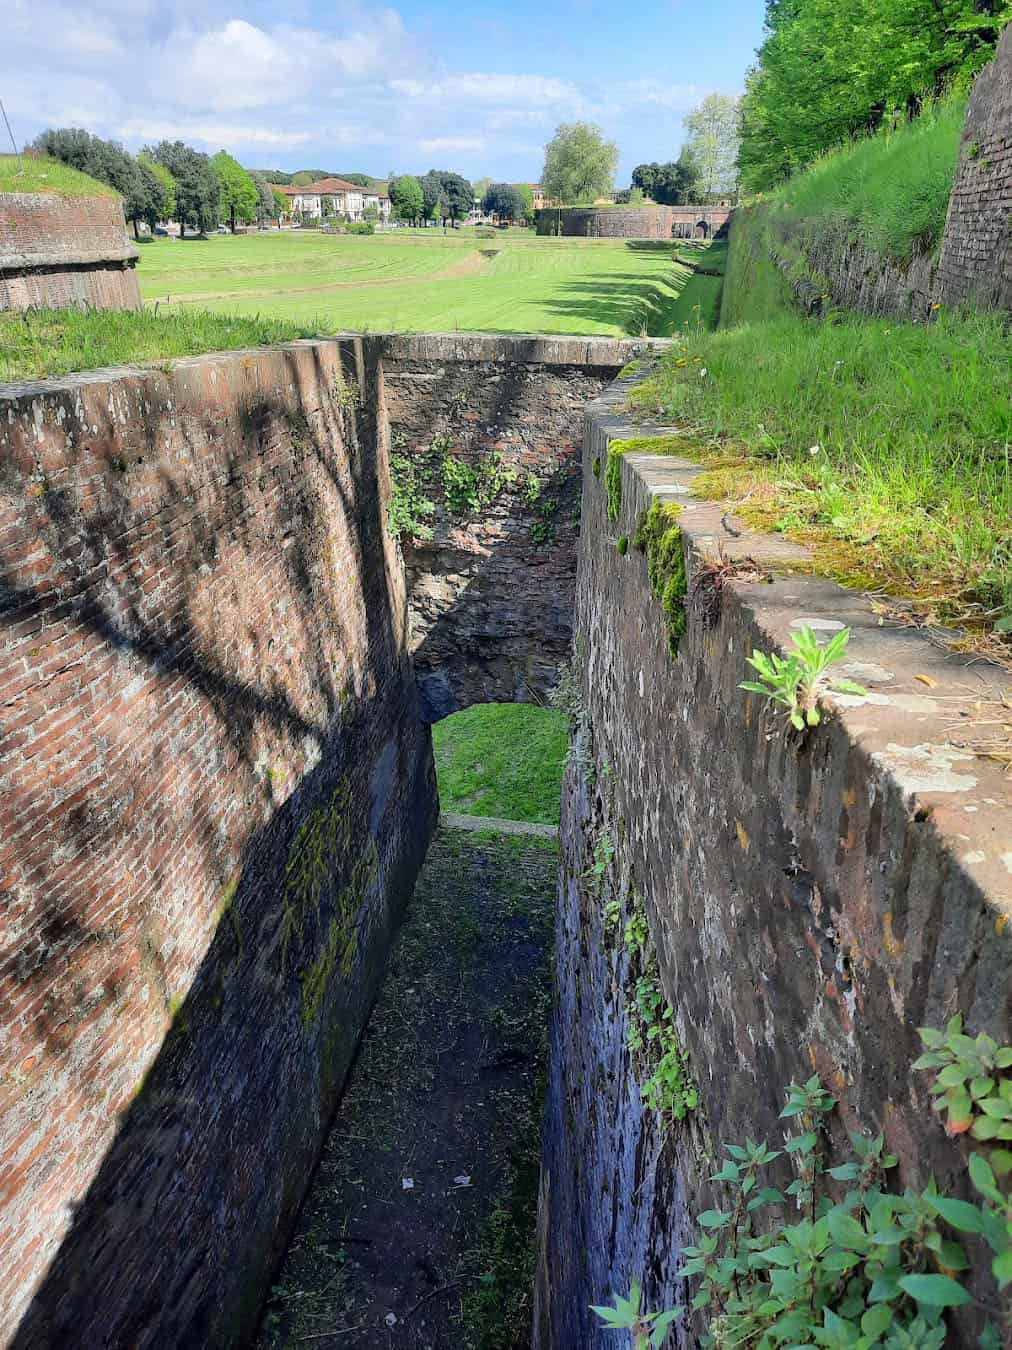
[
  {"x": 481, "y": 187},
  {"x": 502, "y": 200},
  {"x": 672, "y": 183},
  {"x": 432, "y": 195},
  {"x": 237, "y": 192},
  {"x": 197, "y": 191},
  {"x": 713, "y": 143},
  {"x": 282, "y": 203},
  {"x": 167, "y": 189},
  {"x": 406, "y": 197},
  {"x": 830, "y": 71},
  {"x": 579, "y": 163},
  {"x": 109, "y": 163},
  {"x": 265, "y": 198},
  {"x": 457, "y": 196},
  {"x": 275, "y": 176}
]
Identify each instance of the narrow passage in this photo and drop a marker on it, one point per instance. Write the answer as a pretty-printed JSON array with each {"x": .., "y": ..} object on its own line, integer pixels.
[{"x": 419, "y": 1229}]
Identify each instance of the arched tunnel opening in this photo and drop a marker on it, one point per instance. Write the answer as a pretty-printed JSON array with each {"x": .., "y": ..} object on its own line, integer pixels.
[{"x": 420, "y": 1226}]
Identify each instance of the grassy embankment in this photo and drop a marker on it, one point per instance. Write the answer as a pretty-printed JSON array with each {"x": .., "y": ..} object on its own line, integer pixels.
[
  {"x": 884, "y": 446},
  {"x": 48, "y": 175}
]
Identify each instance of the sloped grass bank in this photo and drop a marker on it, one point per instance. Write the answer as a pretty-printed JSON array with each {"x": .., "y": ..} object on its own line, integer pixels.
[
  {"x": 25, "y": 174},
  {"x": 888, "y": 192},
  {"x": 885, "y": 446}
]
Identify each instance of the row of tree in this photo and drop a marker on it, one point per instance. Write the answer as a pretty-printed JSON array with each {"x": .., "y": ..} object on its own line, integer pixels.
[
  {"x": 169, "y": 181},
  {"x": 833, "y": 69},
  {"x": 438, "y": 195}
]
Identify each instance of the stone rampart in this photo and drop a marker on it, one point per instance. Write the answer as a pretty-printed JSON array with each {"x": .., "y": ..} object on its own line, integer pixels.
[
  {"x": 811, "y": 902},
  {"x": 61, "y": 252},
  {"x": 632, "y": 222},
  {"x": 976, "y": 262}
]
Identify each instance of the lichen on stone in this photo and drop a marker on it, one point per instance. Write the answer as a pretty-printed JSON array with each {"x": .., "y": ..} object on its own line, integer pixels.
[{"x": 660, "y": 538}]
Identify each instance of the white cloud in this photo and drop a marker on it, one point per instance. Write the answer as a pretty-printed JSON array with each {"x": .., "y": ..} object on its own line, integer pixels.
[
  {"x": 512, "y": 90},
  {"x": 453, "y": 145},
  {"x": 214, "y": 134}
]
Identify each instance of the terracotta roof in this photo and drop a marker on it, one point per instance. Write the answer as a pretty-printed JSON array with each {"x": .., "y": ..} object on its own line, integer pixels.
[{"x": 327, "y": 187}]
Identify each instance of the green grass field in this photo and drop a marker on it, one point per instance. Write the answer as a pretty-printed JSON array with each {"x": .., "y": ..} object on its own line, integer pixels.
[
  {"x": 48, "y": 175},
  {"x": 501, "y": 759},
  {"x": 423, "y": 281}
]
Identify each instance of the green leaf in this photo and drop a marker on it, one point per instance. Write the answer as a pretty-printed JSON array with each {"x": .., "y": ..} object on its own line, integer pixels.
[
  {"x": 714, "y": 1218},
  {"x": 802, "y": 1143},
  {"x": 1001, "y": 1267},
  {"x": 966, "y": 1217},
  {"x": 938, "y": 1291},
  {"x": 847, "y": 1232},
  {"x": 983, "y": 1178},
  {"x": 877, "y": 1320}
]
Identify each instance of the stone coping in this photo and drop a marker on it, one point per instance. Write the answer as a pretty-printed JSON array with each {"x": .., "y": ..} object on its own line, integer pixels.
[
  {"x": 905, "y": 725},
  {"x": 42, "y": 262},
  {"x": 604, "y": 353}
]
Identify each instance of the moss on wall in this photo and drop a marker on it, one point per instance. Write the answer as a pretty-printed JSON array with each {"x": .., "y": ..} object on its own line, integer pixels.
[{"x": 658, "y": 536}]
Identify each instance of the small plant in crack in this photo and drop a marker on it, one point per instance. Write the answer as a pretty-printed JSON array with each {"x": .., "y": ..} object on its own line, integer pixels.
[{"x": 794, "y": 682}]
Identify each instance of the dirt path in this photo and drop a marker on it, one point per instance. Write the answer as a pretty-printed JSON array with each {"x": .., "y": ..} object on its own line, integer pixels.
[{"x": 418, "y": 1232}]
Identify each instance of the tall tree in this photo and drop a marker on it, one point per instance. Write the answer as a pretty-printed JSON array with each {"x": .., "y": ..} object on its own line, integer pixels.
[
  {"x": 237, "y": 192},
  {"x": 523, "y": 191},
  {"x": 432, "y": 195},
  {"x": 712, "y": 141},
  {"x": 832, "y": 69},
  {"x": 457, "y": 196},
  {"x": 672, "y": 183},
  {"x": 167, "y": 187},
  {"x": 406, "y": 197},
  {"x": 282, "y": 203},
  {"x": 502, "y": 200},
  {"x": 197, "y": 191},
  {"x": 266, "y": 211},
  {"x": 579, "y": 163}
]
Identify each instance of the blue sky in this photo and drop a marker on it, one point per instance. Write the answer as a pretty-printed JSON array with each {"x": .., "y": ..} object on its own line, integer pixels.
[{"x": 349, "y": 86}]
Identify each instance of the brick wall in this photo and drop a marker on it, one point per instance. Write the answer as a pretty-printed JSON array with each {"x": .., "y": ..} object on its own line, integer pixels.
[
  {"x": 811, "y": 904},
  {"x": 491, "y": 594},
  {"x": 976, "y": 263},
  {"x": 631, "y": 222},
  {"x": 214, "y": 793},
  {"x": 59, "y": 252}
]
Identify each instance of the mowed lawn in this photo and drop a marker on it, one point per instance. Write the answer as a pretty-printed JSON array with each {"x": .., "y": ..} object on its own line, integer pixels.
[{"x": 424, "y": 281}]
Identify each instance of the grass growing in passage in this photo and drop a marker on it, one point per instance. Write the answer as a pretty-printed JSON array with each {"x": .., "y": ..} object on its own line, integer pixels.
[
  {"x": 42, "y": 343},
  {"x": 884, "y": 445},
  {"x": 48, "y": 175},
  {"x": 501, "y": 759}
]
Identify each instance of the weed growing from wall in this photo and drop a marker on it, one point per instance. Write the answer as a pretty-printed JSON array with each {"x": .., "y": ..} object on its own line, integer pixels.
[
  {"x": 794, "y": 682},
  {"x": 409, "y": 508},
  {"x": 659, "y": 537},
  {"x": 872, "y": 1269}
]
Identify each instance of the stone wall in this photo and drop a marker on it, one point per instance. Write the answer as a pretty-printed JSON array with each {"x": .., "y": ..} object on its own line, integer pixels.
[
  {"x": 811, "y": 904},
  {"x": 632, "y": 222},
  {"x": 63, "y": 252},
  {"x": 215, "y": 791},
  {"x": 976, "y": 263},
  {"x": 491, "y": 593}
]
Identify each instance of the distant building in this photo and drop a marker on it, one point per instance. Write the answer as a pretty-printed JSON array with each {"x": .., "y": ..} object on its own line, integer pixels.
[
  {"x": 333, "y": 196},
  {"x": 540, "y": 200}
]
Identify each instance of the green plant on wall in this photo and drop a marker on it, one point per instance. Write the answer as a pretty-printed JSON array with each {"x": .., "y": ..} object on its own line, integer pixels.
[
  {"x": 660, "y": 538},
  {"x": 874, "y": 1268},
  {"x": 467, "y": 489},
  {"x": 647, "y": 1329},
  {"x": 794, "y": 682},
  {"x": 409, "y": 508}
]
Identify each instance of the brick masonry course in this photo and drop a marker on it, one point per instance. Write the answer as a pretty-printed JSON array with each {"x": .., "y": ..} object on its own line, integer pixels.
[
  {"x": 633, "y": 222},
  {"x": 61, "y": 252},
  {"x": 811, "y": 905}
]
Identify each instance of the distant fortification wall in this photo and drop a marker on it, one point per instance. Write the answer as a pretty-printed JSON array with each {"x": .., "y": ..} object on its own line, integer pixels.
[
  {"x": 633, "y": 222},
  {"x": 976, "y": 262},
  {"x": 60, "y": 252}
]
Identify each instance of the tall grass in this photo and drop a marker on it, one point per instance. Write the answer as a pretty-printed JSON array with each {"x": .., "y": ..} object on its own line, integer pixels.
[
  {"x": 891, "y": 188},
  {"x": 886, "y": 445}
]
